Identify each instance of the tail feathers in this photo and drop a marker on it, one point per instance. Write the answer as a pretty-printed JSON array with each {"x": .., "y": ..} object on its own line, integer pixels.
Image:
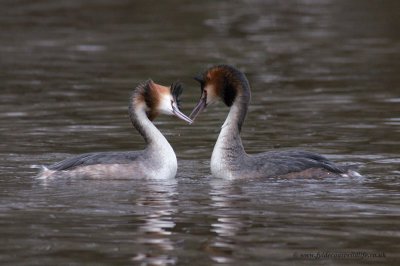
[
  {"x": 351, "y": 171},
  {"x": 44, "y": 172}
]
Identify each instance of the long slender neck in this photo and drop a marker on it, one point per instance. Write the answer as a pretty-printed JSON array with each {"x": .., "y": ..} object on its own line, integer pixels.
[
  {"x": 232, "y": 126},
  {"x": 228, "y": 151},
  {"x": 159, "y": 159},
  {"x": 152, "y": 136},
  {"x": 229, "y": 138},
  {"x": 238, "y": 111}
]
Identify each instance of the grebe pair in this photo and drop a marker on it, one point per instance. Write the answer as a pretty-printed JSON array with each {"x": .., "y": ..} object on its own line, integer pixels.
[{"x": 229, "y": 159}]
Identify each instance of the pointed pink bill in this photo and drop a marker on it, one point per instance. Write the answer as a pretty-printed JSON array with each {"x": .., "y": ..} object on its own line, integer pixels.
[
  {"x": 199, "y": 107},
  {"x": 181, "y": 115}
]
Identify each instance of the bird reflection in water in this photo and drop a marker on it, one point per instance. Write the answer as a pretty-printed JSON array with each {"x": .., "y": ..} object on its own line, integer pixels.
[
  {"x": 159, "y": 205},
  {"x": 228, "y": 224}
]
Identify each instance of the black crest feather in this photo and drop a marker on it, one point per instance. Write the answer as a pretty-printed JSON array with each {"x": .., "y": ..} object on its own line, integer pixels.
[
  {"x": 176, "y": 91},
  {"x": 199, "y": 78}
]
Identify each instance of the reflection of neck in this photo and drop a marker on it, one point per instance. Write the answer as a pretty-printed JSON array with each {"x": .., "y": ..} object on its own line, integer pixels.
[{"x": 156, "y": 226}]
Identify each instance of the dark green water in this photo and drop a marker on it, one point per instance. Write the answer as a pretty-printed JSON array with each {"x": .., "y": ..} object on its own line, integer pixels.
[{"x": 324, "y": 76}]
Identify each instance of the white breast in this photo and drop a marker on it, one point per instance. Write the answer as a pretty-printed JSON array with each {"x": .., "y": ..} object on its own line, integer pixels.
[{"x": 169, "y": 163}]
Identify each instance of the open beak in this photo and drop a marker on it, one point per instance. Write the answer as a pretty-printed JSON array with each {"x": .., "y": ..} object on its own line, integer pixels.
[
  {"x": 199, "y": 107},
  {"x": 181, "y": 115}
]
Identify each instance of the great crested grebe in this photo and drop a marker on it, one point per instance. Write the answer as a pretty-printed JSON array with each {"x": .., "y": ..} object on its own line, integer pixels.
[
  {"x": 156, "y": 161},
  {"x": 229, "y": 159}
]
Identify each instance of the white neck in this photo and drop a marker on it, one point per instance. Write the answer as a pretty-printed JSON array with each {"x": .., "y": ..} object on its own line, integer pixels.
[
  {"x": 228, "y": 148},
  {"x": 158, "y": 148}
]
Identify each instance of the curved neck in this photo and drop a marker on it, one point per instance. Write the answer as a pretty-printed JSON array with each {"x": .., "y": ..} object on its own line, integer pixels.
[
  {"x": 232, "y": 126},
  {"x": 238, "y": 111},
  {"x": 152, "y": 136},
  {"x": 228, "y": 151},
  {"x": 229, "y": 138},
  {"x": 236, "y": 83}
]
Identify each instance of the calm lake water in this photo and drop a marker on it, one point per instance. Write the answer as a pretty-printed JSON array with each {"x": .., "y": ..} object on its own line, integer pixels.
[{"x": 324, "y": 76}]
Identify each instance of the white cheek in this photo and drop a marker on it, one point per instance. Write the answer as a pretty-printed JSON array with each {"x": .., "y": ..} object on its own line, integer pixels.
[
  {"x": 166, "y": 105},
  {"x": 211, "y": 95}
]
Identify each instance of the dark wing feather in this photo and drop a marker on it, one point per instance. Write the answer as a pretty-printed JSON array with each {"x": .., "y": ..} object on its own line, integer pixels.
[
  {"x": 284, "y": 162},
  {"x": 95, "y": 158}
]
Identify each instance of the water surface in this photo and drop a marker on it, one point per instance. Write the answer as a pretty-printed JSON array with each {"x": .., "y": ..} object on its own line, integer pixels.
[{"x": 324, "y": 77}]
